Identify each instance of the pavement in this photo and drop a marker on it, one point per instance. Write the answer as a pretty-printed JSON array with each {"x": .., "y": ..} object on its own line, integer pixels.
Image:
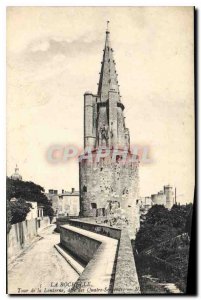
[{"x": 41, "y": 269}]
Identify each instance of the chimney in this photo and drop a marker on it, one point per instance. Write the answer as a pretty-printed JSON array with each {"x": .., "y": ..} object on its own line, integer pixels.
[
  {"x": 73, "y": 190},
  {"x": 62, "y": 192}
]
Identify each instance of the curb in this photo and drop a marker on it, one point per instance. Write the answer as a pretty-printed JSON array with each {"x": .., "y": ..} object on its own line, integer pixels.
[{"x": 74, "y": 264}]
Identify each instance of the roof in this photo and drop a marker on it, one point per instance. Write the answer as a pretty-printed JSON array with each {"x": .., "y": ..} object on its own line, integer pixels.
[{"x": 108, "y": 76}]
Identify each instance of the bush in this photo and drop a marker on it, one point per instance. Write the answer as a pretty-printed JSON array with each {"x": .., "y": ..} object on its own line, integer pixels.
[
  {"x": 24, "y": 191},
  {"x": 19, "y": 210},
  {"x": 164, "y": 237},
  {"x": 8, "y": 216}
]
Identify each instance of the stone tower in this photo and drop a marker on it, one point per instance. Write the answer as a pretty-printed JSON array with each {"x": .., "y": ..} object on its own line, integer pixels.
[
  {"x": 169, "y": 192},
  {"x": 108, "y": 180}
]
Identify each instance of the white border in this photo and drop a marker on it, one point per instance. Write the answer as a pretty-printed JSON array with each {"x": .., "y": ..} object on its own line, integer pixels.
[
  {"x": 3, "y": 5},
  {"x": 99, "y": 3}
]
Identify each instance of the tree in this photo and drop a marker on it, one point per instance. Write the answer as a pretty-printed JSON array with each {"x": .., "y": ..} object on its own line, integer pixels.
[
  {"x": 19, "y": 210},
  {"x": 8, "y": 216},
  {"x": 189, "y": 222},
  {"x": 180, "y": 215},
  {"x": 163, "y": 245},
  {"x": 157, "y": 215},
  {"x": 24, "y": 191},
  {"x": 161, "y": 224},
  {"x": 48, "y": 211}
]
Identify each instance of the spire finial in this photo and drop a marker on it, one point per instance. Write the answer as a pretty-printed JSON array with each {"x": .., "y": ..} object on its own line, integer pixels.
[
  {"x": 108, "y": 78},
  {"x": 107, "y": 29}
]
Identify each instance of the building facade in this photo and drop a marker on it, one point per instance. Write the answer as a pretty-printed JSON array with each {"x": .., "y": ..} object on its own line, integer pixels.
[
  {"x": 144, "y": 203},
  {"x": 159, "y": 198},
  {"x": 65, "y": 203},
  {"x": 107, "y": 180}
]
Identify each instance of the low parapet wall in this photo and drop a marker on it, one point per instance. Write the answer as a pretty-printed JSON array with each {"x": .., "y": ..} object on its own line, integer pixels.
[
  {"x": 62, "y": 221},
  {"x": 100, "y": 252},
  {"x": 80, "y": 244},
  {"x": 97, "y": 228},
  {"x": 110, "y": 262},
  {"x": 126, "y": 279}
]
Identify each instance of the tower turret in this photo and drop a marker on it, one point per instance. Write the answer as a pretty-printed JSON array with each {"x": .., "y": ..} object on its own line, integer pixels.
[
  {"x": 89, "y": 120},
  {"x": 110, "y": 108}
]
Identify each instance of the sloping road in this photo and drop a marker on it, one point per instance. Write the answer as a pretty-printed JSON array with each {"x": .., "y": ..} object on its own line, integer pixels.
[{"x": 41, "y": 269}]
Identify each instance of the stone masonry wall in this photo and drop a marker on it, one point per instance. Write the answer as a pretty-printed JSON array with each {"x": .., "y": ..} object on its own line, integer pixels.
[
  {"x": 80, "y": 245},
  {"x": 110, "y": 262},
  {"x": 106, "y": 181},
  {"x": 126, "y": 278},
  {"x": 100, "y": 229},
  {"x": 20, "y": 235}
]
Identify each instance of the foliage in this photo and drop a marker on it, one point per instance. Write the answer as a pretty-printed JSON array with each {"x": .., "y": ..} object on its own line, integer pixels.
[
  {"x": 180, "y": 214},
  {"x": 189, "y": 221},
  {"x": 162, "y": 224},
  {"x": 164, "y": 238},
  {"x": 24, "y": 191},
  {"x": 19, "y": 210},
  {"x": 147, "y": 237},
  {"x": 48, "y": 211},
  {"x": 8, "y": 216}
]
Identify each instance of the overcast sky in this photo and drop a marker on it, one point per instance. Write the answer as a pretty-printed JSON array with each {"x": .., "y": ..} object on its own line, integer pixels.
[{"x": 53, "y": 57}]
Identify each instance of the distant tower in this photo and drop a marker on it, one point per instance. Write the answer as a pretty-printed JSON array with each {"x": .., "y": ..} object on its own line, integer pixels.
[
  {"x": 16, "y": 175},
  {"x": 169, "y": 192},
  {"x": 107, "y": 181}
]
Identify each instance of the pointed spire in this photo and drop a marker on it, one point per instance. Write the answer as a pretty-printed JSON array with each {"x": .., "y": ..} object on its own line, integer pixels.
[
  {"x": 107, "y": 30},
  {"x": 108, "y": 75}
]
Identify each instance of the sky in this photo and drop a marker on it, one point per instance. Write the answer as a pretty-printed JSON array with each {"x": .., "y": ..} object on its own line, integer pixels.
[{"x": 54, "y": 55}]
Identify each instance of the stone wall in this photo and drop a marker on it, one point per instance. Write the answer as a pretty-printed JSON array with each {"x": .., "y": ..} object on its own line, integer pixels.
[
  {"x": 106, "y": 181},
  {"x": 20, "y": 235},
  {"x": 81, "y": 246},
  {"x": 110, "y": 263},
  {"x": 126, "y": 278},
  {"x": 100, "y": 254},
  {"x": 33, "y": 213},
  {"x": 100, "y": 229},
  {"x": 62, "y": 221},
  {"x": 89, "y": 122}
]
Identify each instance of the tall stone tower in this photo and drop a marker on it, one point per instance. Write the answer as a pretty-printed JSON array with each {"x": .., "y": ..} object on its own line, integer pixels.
[
  {"x": 170, "y": 197},
  {"x": 110, "y": 180}
]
